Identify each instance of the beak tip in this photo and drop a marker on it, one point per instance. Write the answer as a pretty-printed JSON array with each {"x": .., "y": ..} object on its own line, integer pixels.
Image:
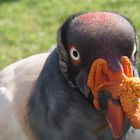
[{"x": 114, "y": 114}]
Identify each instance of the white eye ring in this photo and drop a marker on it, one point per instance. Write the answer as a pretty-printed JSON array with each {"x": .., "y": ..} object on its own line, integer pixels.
[{"x": 74, "y": 54}]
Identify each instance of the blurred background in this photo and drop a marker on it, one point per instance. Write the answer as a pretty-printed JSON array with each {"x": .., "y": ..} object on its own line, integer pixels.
[{"x": 28, "y": 27}]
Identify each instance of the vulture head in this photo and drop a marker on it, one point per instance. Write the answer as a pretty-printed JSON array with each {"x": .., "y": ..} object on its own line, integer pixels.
[
  {"x": 48, "y": 96},
  {"x": 85, "y": 37}
]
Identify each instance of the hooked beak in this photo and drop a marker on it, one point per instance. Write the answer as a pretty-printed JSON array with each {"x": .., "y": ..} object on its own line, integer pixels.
[
  {"x": 101, "y": 78},
  {"x": 114, "y": 114},
  {"x": 113, "y": 111}
]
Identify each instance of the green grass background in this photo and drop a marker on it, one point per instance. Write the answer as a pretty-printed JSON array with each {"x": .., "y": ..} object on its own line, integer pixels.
[{"x": 30, "y": 26}]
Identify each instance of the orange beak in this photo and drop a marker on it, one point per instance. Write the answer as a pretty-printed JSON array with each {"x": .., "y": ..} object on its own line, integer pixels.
[
  {"x": 115, "y": 118},
  {"x": 114, "y": 114},
  {"x": 102, "y": 78}
]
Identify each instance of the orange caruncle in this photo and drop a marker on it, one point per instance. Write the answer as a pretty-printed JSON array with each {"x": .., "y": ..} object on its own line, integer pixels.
[
  {"x": 121, "y": 85},
  {"x": 130, "y": 100}
]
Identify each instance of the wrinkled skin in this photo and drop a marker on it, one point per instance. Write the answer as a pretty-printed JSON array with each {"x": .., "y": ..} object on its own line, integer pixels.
[{"x": 44, "y": 105}]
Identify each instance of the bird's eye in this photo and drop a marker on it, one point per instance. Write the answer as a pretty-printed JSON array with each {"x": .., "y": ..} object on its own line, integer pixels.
[{"x": 74, "y": 54}]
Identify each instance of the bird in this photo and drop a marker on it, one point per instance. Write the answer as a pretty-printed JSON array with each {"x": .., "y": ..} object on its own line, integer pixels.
[{"x": 46, "y": 96}]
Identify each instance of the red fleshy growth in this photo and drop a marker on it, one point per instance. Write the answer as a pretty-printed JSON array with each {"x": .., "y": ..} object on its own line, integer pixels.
[{"x": 98, "y": 17}]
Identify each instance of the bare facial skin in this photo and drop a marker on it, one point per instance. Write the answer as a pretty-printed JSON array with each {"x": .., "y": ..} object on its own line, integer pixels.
[{"x": 45, "y": 96}]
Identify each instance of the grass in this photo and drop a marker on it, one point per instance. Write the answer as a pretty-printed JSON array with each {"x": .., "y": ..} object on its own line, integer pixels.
[{"x": 30, "y": 26}]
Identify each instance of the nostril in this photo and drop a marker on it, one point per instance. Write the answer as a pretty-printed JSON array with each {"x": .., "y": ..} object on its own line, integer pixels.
[{"x": 103, "y": 98}]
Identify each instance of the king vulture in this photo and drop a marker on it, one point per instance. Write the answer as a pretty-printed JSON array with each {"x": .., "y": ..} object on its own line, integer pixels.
[{"x": 46, "y": 97}]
